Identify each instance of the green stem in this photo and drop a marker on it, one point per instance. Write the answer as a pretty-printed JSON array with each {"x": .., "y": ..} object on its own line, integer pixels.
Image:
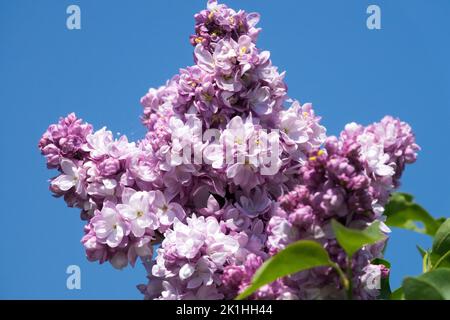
[
  {"x": 425, "y": 262},
  {"x": 344, "y": 280},
  {"x": 349, "y": 277}
]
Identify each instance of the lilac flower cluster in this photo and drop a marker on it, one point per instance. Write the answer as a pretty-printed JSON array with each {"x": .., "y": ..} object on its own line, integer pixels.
[
  {"x": 230, "y": 171},
  {"x": 115, "y": 183},
  {"x": 64, "y": 140},
  {"x": 218, "y": 22},
  {"x": 349, "y": 180},
  {"x": 231, "y": 77}
]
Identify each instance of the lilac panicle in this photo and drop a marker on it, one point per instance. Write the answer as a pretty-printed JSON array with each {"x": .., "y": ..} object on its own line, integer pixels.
[{"x": 217, "y": 220}]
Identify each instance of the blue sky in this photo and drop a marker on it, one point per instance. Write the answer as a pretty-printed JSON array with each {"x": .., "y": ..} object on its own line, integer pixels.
[{"x": 348, "y": 72}]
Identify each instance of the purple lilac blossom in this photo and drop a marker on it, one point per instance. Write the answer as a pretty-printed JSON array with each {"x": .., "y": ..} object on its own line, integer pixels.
[{"x": 224, "y": 209}]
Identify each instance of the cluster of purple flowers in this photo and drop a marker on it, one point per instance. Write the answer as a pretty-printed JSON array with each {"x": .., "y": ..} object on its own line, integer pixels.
[
  {"x": 231, "y": 77},
  {"x": 114, "y": 183},
  {"x": 230, "y": 172},
  {"x": 349, "y": 180}
]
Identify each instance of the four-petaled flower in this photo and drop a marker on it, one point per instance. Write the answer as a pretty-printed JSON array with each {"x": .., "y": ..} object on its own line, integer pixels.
[
  {"x": 136, "y": 209},
  {"x": 109, "y": 226}
]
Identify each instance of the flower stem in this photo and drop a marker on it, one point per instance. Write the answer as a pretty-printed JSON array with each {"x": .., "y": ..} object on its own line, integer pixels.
[
  {"x": 349, "y": 277},
  {"x": 344, "y": 279}
]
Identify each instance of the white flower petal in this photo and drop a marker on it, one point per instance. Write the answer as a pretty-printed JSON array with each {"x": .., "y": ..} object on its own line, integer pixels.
[
  {"x": 186, "y": 271},
  {"x": 102, "y": 229},
  {"x": 68, "y": 167},
  {"x": 64, "y": 182},
  {"x": 384, "y": 170},
  {"x": 137, "y": 230},
  {"x": 127, "y": 211},
  {"x": 115, "y": 237},
  {"x": 204, "y": 58}
]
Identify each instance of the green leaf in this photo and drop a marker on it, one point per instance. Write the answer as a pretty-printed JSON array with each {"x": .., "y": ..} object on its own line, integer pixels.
[
  {"x": 379, "y": 261},
  {"x": 403, "y": 212},
  {"x": 421, "y": 250},
  {"x": 433, "y": 285},
  {"x": 351, "y": 240},
  {"x": 398, "y": 294},
  {"x": 441, "y": 243},
  {"x": 441, "y": 261},
  {"x": 385, "y": 290},
  {"x": 440, "y": 254},
  {"x": 296, "y": 257}
]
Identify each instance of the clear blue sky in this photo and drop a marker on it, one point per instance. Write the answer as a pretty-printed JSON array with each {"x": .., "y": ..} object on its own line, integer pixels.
[{"x": 349, "y": 73}]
